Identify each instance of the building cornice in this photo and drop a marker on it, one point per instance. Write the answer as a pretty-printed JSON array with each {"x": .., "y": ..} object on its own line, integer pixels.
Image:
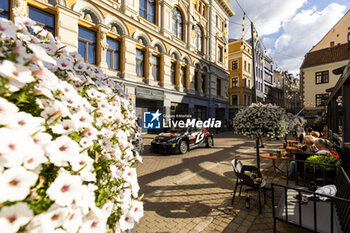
[{"x": 225, "y": 6}]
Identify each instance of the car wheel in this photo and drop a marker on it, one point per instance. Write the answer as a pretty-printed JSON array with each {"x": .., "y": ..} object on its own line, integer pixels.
[
  {"x": 210, "y": 142},
  {"x": 183, "y": 147}
]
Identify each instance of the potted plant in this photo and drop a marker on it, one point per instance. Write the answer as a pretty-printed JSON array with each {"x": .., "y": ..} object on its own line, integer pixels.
[
  {"x": 260, "y": 120},
  {"x": 331, "y": 158}
]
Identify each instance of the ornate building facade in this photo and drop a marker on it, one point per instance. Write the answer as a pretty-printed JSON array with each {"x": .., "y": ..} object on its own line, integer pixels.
[{"x": 171, "y": 55}]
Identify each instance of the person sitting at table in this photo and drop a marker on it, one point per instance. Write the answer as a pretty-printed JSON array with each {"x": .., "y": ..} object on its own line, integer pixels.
[
  {"x": 315, "y": 134},
  {"x": 308, "y": 131},
  {"x": 309, "y": 144},
  {"x": 323, "y": 146}
]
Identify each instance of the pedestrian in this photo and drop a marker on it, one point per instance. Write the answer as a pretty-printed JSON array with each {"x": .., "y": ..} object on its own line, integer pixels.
[
  {"x": 139, "y": 121},
  {"x": 301, "y": 133}
]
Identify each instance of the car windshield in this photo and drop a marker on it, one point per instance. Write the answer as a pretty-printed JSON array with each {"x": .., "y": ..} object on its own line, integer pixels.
[{"x": 178, "y": 130}]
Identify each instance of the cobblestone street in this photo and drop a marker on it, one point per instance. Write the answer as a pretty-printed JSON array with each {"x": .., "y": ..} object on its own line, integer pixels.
[{"x": 192, "y": 192}]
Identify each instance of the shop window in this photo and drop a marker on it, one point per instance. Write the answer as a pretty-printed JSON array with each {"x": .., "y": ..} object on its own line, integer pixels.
[
  {"x": 113, "y": 54},
  {"x": 87, "y": 44},
  {"x": 43, "y": 18}
]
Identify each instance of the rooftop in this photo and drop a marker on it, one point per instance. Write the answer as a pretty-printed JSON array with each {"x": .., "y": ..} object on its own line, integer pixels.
[{"x": 328, "y": 55}]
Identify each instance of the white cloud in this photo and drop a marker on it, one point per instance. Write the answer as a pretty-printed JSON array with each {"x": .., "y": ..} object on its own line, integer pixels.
[
  {"x": 301, "y": 32},
  {"x": 268, "y": 15}
]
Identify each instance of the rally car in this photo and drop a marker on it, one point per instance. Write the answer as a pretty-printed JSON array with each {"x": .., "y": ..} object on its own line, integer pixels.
[{"x": 181, "y": 140}]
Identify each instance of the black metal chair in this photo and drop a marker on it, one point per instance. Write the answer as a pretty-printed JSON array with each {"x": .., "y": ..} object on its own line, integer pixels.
[{"x": 244, "y": 179}]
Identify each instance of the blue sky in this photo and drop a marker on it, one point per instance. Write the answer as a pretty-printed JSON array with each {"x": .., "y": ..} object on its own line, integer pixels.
[{"x": 288, "y": 28}]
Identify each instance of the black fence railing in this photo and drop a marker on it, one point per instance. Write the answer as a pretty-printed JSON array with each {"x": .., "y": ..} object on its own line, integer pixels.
[
  {"x": 302, "y": 207},
  {"x": 311, "y": 172}
]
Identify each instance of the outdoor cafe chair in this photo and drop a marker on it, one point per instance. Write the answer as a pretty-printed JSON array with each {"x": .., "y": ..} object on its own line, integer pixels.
[{"x": 244, "y": 179}]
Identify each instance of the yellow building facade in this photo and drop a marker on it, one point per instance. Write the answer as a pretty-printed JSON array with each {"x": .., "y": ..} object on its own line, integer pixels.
[
  {"x": 170, "y": 55},
  {"x": 240, "y": 75}
]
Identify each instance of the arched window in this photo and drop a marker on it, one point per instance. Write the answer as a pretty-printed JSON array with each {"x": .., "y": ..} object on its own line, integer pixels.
[
  {"x": 198, "y": 40},
  {"x": 177, "y": 24},
  {"x": 148, "y": 10}
]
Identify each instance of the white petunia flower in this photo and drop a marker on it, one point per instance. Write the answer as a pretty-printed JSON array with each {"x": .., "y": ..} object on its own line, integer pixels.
[
  {"x": 7, "y": 109},
  {"x": 55, "y": 109},
  {"x": 64, "y": 127},
  {"x": 73, "y": 220},
  {"x": 126, "y": 221},
  {"x": 64, "y": 63},
  {"x": 7, "y": 29},
  {"x": 82, "y": 119},
  {"x": 26, "y": 122},
  {"x": 15, "y": 183},
  {"x": 42, "y": 139},
  {"x": 14, "y": 216},
  {"x": 87, "y": 198},
  {"x": 40, "y": 54},
  {"x": 13, "y": 146},
  {"x": 80, "y": 66},
  {"x": 80, "y": 161},
  {"x": 17, "y": 76},
  {"x": 47, "y": 221},
  {"x": 136, "y": 210},
  {"x": 94, "y": 223},
  {"x": 33, "y": 158},
  {"x": 62, "y": 150},
  {"x": 65, "y": 188}
]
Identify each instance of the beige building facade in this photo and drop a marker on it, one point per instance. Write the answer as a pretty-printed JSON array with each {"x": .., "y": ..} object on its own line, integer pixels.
[
  {"x": 339, "y": 34},
  {"x": 170, "y": 55},
  {"x": 318, "y": 70}
]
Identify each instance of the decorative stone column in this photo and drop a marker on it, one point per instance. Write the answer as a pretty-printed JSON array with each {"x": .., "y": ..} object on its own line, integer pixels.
[
  {"x": 199, "y": 82},
  {"x": 130, "y": 59},
  {"x": 148, "y": 59},
  {"x": 177, "y": 75},
  {"x": 188, "y": 81},
  {"x": 19, "y": 8},
  {"x": 161, "y": 70},
  {"x": 67, "y": 27},
  {"x": 103, "y": 46}
]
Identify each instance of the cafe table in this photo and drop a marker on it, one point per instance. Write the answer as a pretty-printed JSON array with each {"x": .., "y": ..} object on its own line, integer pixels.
[{"x": 273, "y": 165}]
